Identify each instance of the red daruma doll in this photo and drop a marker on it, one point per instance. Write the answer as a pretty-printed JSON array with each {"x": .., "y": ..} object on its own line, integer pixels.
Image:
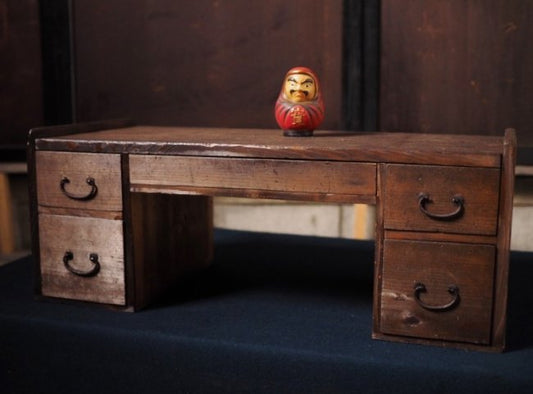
[{"x": 299, "y": 109}]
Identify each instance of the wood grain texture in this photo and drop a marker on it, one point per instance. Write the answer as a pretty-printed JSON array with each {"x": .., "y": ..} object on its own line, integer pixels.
[
  {"x": 7, "y": 238},
  {"x": 82, "y": 236},
  {"x": 504, "y": 238},
  {"x": 441, "y": 237},
  {"x": 478, "y": 186},
  {"x": 169, "y": 172},
  {"x": 457, "y": 66},
  {"x": 460, "y": 150},
  {"x": 257, "y": 194},
  {"x": 202, "y": 63},
  {"x": 282, "y": 176},
  {"x": 438, "y": 265},
  {"x": 171, "y": 236},
  {"x": 495, "y": 341},
  {"x": 105, "y": 169},
  {"x": 49, "y": 132},
  {"x": 21, "y": 76},
  {"x": 378, "y": 254}
]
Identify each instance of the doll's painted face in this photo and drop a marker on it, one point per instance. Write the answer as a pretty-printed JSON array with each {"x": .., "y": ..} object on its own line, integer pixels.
[{"x": 299, "y": 88}]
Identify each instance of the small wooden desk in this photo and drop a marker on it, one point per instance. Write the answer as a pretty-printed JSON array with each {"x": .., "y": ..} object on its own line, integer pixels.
[{"x": 121, "y": 212}]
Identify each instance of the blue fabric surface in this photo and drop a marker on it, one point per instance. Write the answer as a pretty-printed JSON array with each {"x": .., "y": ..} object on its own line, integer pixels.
[{"x": 274, "y": 314}]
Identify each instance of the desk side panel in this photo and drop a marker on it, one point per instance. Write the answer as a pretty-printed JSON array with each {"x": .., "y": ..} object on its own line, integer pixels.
[
  {"x": 504, "y": 239},
  {"x": 171, "y": 236}
]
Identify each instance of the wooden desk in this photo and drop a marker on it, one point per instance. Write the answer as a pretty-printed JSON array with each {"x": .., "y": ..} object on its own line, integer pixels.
[{"x": 121, "y": 212}]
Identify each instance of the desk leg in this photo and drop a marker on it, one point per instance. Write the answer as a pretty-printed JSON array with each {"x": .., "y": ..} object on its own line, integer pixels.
[
  {"x": 7, "y": 241},
  {"x": 170, "y": 236}
]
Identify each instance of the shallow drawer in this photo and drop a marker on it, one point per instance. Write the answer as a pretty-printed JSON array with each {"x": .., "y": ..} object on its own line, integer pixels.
[
  {"x": 79, "y": 180},
  {"x": 82, "y": 258},
  {"x": 444, "y": 199},
  {"x": 437, "y": 290},
  {"x": 255, "y": 175}
]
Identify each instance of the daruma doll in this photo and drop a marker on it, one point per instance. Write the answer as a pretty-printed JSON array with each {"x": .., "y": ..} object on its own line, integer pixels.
[{"x": 299, "y": 108}]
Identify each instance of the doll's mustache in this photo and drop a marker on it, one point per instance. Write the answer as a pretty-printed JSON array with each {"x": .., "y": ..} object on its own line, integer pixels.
[{"x": 292, "y": 91}]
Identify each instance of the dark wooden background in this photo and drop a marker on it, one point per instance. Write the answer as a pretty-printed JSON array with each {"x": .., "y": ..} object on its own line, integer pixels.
[
  {"x": 204, "y": 63},
  {"x": 20, "y": 73},
  {"x": 457, "y": 66},
  {"x": 221, "y": 63},
  {"x": 450, "y": 66}
]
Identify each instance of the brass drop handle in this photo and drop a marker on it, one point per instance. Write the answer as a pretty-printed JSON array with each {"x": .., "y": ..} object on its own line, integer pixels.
[
  {"x": 92, "y": 193},
  {"x": 93, "y": 258},
  {"x": 452, "y": 289},
  {"x": 457, "y": 200}
]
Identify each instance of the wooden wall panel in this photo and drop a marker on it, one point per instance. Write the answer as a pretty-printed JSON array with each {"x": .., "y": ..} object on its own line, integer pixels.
[
  {"x": 57, "y": 61},
  {"x": 203, "y": 62},
  {"x": 20, "y": 72},
  {"x": 457, "y": 66}
]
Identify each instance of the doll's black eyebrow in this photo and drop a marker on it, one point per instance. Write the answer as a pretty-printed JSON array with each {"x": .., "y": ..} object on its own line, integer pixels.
[{"x": 308, "y": 80}]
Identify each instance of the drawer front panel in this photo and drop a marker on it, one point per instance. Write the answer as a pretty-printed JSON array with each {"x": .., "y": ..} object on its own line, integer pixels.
[
  {"x": 457, "y": 199},
  {"x": 253, "y": 174},
  {"x": 64, "y": 180},
  {"x": 92, "y": 247},
  {"x": 437, "y": 290}
]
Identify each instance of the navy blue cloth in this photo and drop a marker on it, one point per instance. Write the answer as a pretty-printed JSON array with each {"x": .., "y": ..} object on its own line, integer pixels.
[{"x": 273, "y": 314}]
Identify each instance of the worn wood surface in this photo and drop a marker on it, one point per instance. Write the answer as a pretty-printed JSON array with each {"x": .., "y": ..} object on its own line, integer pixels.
[
  {"x": 170, "y": 236},
  {"x": 82, "y": 236},
  {"x": 504, "y": 239},
  {"x": 52, "y": 167},
  {"x": 7, "y": 239},
  {"x": 454, "y": 65},
  {"x": 49, "y": 132},
  {"x": 438, "y": 265},
  {"x": 498, "y": 259},
  {"x": 321, "y": 178},
  {"x": 378, "y": 254},
  {"x": 441, "y": 236},
  {"x": 168, "y": 172},
  {"x": 465, "y": 150},
  {"x": 478, "y": 186}
]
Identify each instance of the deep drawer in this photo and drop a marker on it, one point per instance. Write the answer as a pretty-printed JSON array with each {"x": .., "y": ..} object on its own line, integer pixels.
[
  {"x": 255, "y": 175},
  {"x": 437, "y": 290},
  {"x": 444, "y": 199},
  {"x": 82, "y": 258},
  {"x": 79, "y": 180}
]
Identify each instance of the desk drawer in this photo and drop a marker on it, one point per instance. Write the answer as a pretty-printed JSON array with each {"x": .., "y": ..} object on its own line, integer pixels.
[
  {"x": 441, "y": 199},
  {"x": 255, "y": 175},
  {"x": 79, "y": 180},
  {"x": 437, "y": 290},
  {"x": 82, "y": 258}
]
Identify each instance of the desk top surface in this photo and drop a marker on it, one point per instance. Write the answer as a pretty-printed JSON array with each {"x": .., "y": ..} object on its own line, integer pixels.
[{"x": 446, "y": 149}]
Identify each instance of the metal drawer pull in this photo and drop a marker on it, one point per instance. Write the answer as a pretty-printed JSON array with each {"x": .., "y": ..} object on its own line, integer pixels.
[
  {"x": 452, "y": 289},
  {"x": 90, "y": 181},
  {"x": 93, "y": 257},
  {"x": 458, "y": 200}
]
